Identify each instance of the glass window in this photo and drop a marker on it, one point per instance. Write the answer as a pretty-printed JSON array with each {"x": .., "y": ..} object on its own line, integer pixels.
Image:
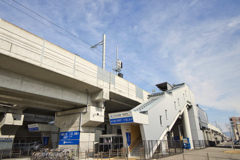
[
  {"x": 161, "y": 120},
  {"x": 166, "y": 114}
]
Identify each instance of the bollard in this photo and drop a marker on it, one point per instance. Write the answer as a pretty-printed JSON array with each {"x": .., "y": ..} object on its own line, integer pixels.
[
  {"x": 183, "y": 156},
  {"x": 207, "y": 157}
]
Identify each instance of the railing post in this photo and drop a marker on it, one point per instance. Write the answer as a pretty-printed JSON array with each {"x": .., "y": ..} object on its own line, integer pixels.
[
  {"x": 162, "y": 147},
  {"x": 169, "y": 148},
  {"x": 117, "y": 153},
  {"x": 109, "y": 154},
  {"x": 175, "y": 147},
  {"x": 127, "y": 153},
  {"x": 28, "y": 149},
  {"x": 144, "y": 147},
  {"x": 149, "y": 148}
]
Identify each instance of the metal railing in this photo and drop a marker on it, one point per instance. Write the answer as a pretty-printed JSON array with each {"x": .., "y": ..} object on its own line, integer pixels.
[{"x": 200, "y": 144}]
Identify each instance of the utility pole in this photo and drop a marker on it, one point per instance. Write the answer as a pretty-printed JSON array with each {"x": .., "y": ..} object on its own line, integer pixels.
[
  {"x": 103, "y": 50},
  {"x": 116, "y": 59},
  {"x": 230, "y": 135}
]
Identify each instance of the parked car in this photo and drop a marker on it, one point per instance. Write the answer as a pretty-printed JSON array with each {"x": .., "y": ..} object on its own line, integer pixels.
[{"x": 28, "y": 147}]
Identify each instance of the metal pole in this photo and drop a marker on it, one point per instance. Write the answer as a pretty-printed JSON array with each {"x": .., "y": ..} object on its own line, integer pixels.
[
  {"x": 80, "y": 124},
  {"x": 103, "y": 52},
  {"x": 109, "y": 154},
  {"x": 117, "y": 60}
]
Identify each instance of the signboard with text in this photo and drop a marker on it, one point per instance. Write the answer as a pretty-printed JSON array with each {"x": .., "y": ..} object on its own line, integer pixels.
[
  {"x": 69, "y": 138},
  {"x": 121, "y": 117},
  {"x": 33, "y": 127}
]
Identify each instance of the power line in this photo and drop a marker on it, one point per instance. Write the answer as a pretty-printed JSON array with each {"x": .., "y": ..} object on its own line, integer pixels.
[
  {"x": 51, "y": 22},
  {"x": 138, "y": 77},
  {"x": 110, "y": 59},
  {"x": 58, "y": 27},
  {"x": 47, "y": 25}
]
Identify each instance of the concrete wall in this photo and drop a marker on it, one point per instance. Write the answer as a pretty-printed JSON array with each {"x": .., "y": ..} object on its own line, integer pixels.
[{"x": 194, "y": 122}]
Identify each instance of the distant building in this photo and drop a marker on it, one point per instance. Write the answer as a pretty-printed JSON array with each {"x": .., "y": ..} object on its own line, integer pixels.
[{"x": 235, "y": 124}]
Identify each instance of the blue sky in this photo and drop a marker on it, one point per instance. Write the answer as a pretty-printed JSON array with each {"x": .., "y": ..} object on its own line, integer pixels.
[{"x": 196, "y": 42}]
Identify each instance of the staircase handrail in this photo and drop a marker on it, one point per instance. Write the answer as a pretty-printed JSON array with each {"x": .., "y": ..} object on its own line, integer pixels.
[{"x": 134, "y": 144}]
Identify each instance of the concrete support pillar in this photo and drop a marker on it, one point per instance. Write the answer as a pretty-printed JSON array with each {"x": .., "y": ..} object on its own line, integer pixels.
[
  {"x": 111, "y": 129},
  {"x": 205, "y": 135},
  {"x": 211, "y": 135},
  {"x": 77, "y": 128},
  {"x": 125, "y": 134},
  {"x": 8, "y": 127},
  {"x": 186, "y": 127}
]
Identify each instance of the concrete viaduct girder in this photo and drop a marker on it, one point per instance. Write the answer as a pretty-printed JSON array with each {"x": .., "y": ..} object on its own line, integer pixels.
[{"x": 46, "y": 75}]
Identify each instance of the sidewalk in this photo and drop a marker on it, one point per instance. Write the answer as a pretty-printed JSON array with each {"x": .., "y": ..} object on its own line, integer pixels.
[{"x": 211, "y": 153}]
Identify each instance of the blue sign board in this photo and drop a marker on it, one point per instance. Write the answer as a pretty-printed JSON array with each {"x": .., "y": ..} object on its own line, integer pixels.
[
  {"x": 69, "y": 138},
  {"x": 45, "y": 141},
  {"x": 33, "y": 129},
  {"x": 128, "y": 135},
  {"x": 121, "y": 120}
]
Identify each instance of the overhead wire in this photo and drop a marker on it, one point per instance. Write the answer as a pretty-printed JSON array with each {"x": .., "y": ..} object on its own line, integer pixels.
[
  {"x": 51, "y": 22},
  {"x": 57, "y": 26},
  {"x": 110, "y": 59},
  {"x": 47, "y": 25}
]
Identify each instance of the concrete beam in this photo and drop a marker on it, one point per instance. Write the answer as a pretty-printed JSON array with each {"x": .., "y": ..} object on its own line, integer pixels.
[
  {"x": 28, "y": 85},
  {"x": 100, "y": 96}
]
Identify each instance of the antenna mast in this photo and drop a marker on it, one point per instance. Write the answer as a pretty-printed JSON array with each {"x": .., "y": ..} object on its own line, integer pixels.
[{"x": 118, "y": 65}]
